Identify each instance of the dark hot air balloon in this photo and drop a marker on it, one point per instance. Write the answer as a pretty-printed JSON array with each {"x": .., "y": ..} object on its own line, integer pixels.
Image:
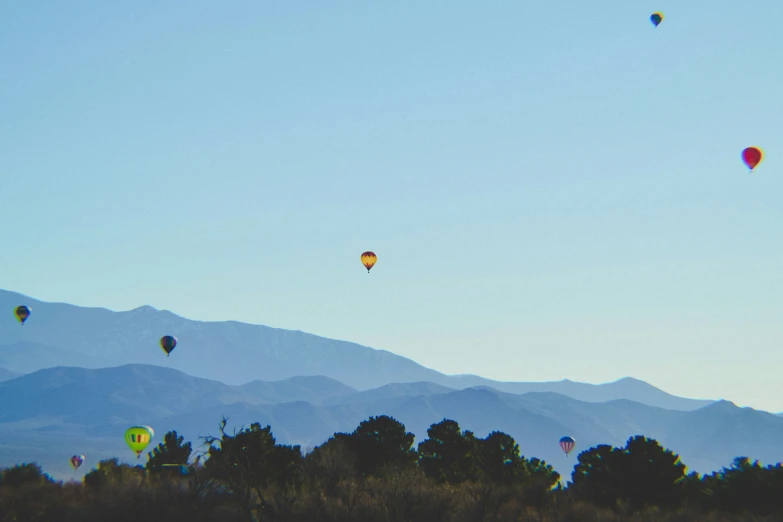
[
  {"x": 656, "y": 18},
  {"x": 168, "y": 343},
  {"x": 22, "y": 313}
]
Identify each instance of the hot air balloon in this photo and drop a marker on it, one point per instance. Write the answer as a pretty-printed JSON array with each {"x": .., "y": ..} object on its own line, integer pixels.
[
  {"x": 368, "y": 260},
  {"x": 22, "y": 313},
  {"x": 76, "y": 461},
  {"x": 138, "y": 437},
  {"x": 567, "y": 443},
  {"x": 656, "y": 18},
  {"x": 752, "y": 156},
  {"x": 168, "y": 343}
]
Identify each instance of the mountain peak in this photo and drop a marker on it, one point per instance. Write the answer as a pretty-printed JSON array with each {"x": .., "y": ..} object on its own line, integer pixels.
[
  {"x": 721, "y": 405},
  {"x": 629, "y": 379},
  {"x": 143, "y": 308}
]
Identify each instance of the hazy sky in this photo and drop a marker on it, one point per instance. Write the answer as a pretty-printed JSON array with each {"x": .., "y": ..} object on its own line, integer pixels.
[{"x": 554, "y": 189}]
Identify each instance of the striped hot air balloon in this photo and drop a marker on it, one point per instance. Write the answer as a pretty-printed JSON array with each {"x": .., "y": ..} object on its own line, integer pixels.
[
  {"x": 567, "y": 443},
  {"x": 138, "y": 438}
]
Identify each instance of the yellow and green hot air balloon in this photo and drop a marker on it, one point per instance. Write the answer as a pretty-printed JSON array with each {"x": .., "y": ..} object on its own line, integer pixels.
[{"x": 138, "y": 438}]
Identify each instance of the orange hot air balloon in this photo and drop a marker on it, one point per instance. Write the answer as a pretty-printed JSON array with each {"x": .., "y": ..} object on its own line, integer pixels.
[
  {"x": 368, "y": 260},
  {"x": 752, "y": 156}
]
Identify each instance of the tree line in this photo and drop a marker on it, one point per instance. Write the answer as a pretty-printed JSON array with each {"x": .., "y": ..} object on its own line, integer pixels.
[{"x": 375, "y": 474}]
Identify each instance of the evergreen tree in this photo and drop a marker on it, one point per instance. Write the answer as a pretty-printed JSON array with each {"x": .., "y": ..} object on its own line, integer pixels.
[
  {"x": 449, "y": 455},
  {"x": 111, "y": 471},
  {"x": 643, "y": 473},
  {"x": 248, "y": 463},
  {"x": 379, "y": 442},
  {"x": 172, "y": 451},
  {"x": 23, "y": 474}
]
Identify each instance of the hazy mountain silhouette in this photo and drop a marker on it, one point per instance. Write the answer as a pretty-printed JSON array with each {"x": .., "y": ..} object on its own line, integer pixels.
[
  {"x": 314, "y": 389},
  {"x": 409, "y": 389},
  {"x": 131, "y": 394},
  {"x": 6, "y": 374},
  {"x": 625, "y": 388},
  {"x": 51, "y": 414},
  {"x": 229, "y": 351},
  {"x": 58, "y": 334},
  {"x": 25, "y": 357}
]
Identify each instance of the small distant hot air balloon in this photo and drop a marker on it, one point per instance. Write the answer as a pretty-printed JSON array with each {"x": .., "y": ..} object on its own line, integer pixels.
[
  {"x": 656, "y": 18},
  {"x": 168, "y": 343},
  {"x": 138, "y": 438},
  {"x": 368, "y": 260},
  {"x": 752, "y": 156},
  {"x": 567, "y": 443},
  {"x": 76, "y": 461},
  {"x": 22, "y": 313}
]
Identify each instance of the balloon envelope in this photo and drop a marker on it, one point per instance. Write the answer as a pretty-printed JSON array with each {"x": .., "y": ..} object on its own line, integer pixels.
[
  {"x": 168, "y": 343},
  {"x": 368, "y": 260},
  {"x": 567, "y": 443},
  {"x": 138, "y": 438},
  {"x": 752, "y": 156},
  {"x": 76, "y": 461},
  {"x": 22, "y": 313},
  {"x": 656, "y": 18}
]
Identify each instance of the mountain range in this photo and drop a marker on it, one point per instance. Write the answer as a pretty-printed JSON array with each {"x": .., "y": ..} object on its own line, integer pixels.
[
  {"x": 53, "y": 413},
  {"x": 58, "y": 334},
  {"x": 72, "y": 379}
]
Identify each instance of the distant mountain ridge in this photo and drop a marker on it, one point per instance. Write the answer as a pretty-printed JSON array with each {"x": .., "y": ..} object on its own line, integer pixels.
[
  {"x": 53, "y": 413},
  {"x": 314, "y": 389},
  {"x": 59, "y": 334},
  {"x": 6, "y": 374}
]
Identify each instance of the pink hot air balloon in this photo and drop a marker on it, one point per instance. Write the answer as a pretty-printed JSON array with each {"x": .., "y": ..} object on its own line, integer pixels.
[
  {"x": 76, "y": 461},
  {"x": 567, "y": 443}
]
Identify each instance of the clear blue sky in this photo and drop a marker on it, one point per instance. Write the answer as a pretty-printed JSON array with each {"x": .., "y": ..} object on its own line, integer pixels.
[{"x": 554, "y": 189}]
